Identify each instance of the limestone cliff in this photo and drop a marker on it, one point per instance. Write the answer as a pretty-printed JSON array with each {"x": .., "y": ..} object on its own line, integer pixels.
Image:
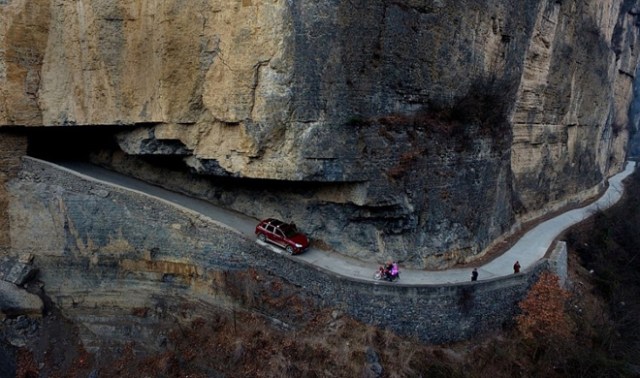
[{"x": 419, "y": 129}]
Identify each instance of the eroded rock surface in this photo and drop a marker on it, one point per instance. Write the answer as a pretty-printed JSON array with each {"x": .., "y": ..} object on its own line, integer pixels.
[{"x": 420, "y": 130}]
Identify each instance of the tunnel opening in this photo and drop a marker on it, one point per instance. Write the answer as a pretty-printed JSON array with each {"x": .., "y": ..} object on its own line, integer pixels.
[
  {"x": 55, "y": 143},
  {"x": 99, "y": 145}
]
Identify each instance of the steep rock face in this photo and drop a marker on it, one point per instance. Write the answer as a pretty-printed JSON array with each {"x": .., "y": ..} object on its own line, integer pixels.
[
  {"x": 11, "y": 148},
  {"x": 570, "y": 119},
  {"x": 429, "y": 129}
]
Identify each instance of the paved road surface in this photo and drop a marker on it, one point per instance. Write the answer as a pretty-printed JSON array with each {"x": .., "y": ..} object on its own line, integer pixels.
[{"x": 529, "y": 249}]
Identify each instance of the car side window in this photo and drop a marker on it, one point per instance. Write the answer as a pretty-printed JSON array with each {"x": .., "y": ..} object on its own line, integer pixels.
[
  {"x": 279, "y": 233},
  {"x": 270, "y": 228}
]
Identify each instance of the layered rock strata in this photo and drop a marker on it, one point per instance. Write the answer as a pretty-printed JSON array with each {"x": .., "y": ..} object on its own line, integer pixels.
[{"x": 421, "y": 131}]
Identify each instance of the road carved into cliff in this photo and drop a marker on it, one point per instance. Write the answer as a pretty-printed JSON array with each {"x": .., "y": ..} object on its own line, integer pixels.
[{"x": 530, "y": 248}]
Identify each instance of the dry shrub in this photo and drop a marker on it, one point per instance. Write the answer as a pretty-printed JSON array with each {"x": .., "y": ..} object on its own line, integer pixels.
[
  {"x": 543, "y": 310},
  {"x": 392, "y": 120},
  {"x": 407, "y": 159},
  {"x": 436, "y": 119},
  {"x": 140, "y": 312},
  {"x": 26, "y": 366}
]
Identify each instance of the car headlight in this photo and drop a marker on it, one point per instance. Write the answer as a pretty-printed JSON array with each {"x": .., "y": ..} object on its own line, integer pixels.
[{"x": 298, "y": 245}]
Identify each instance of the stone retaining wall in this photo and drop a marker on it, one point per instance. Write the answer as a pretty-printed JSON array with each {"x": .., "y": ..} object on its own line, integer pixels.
[{"x": 102, "y": 249}]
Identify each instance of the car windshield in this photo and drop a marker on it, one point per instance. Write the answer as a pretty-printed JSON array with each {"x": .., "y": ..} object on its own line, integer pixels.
[{"x": 289, "y": 231}]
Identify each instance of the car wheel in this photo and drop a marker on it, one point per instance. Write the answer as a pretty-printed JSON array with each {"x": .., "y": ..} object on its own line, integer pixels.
[
  {"x": 290, "y": 250},
  {"x": 262, "y": 238}
]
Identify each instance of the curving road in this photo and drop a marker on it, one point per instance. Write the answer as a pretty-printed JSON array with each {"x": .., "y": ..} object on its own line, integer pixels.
[{"x": 530, "y": 248}]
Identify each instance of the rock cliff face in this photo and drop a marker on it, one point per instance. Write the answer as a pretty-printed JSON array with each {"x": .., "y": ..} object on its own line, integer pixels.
[
  {"x": 100, "y": 264},
  {"x": 421, "y": 130}
]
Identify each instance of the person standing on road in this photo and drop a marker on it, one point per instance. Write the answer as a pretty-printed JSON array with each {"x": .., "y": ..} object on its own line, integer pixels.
[
  {"x": 516, "y": 267},
  {"x": 474, "y": 274}
]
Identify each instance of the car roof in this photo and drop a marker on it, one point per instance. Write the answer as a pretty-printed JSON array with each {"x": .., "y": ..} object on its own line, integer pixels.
[{"x": 274, "y": 222}]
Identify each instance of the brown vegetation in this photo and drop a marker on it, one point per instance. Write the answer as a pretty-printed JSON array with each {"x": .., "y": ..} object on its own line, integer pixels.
[{"x": 543, "y": 311}]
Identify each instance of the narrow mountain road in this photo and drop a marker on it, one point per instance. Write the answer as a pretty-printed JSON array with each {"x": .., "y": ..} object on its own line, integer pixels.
[{"x": 530, "y": 248}]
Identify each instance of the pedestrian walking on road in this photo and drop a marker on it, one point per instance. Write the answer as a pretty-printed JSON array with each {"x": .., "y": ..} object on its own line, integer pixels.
[
  {"x": 474, "y": 274},
  {"x": 516, "y": 267}
]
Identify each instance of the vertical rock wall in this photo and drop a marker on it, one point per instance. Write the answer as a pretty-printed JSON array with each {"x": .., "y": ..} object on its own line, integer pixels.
[
  {"x": 570, "y": 119},
  {"x": 447, "y": 122},
  {"x": 12, "y": 146}
]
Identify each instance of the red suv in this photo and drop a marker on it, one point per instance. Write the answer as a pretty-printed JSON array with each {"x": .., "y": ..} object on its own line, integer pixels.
[{"x": 286, "y": 235}]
